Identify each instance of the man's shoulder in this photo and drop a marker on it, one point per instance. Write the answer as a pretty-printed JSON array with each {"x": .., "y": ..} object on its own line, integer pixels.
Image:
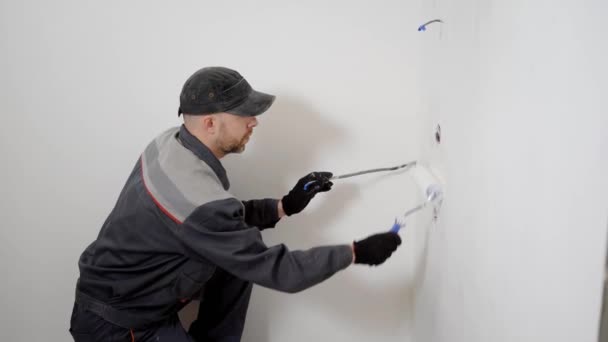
[{"x": 178, "y": 180}]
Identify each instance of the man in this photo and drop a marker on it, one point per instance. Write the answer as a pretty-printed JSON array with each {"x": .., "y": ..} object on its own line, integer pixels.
[{"x": 177, "y": 234}]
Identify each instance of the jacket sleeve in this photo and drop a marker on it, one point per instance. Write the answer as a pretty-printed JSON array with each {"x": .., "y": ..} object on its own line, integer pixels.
[
  {"x": 216, "y": 232},
  {"x": 262, "y": 213}
]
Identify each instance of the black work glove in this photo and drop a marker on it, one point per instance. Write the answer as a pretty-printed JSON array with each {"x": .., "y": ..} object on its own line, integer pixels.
[
  {"x": 375, "y": 249},
  {"x": 306, "y": 188}
]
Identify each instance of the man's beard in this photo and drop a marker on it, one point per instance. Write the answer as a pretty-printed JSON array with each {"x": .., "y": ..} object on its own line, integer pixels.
[{"x": 235, "y": 146}]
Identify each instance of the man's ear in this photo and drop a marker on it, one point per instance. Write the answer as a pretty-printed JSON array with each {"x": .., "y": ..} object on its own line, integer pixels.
[{"x": 209, "y": 123}]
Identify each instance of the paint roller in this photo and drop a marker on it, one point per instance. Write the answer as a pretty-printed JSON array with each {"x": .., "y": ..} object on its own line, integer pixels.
[
  {"x": 425, "y": 178},
  {"x": 364, "y": 172}
]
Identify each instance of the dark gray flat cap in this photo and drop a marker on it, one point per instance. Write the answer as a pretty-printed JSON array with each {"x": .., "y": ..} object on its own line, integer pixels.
[{"x": 218, "y": 89}]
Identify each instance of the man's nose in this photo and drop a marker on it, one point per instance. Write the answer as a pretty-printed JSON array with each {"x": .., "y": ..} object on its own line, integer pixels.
[{"x": 253, "y": 122}]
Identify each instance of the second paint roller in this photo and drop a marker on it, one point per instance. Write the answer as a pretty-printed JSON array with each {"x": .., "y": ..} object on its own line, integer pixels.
[{"x": 432, "y": 190}]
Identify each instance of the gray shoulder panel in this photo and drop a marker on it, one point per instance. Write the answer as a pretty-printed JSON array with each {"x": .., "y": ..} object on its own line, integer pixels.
[{"x": 176, "y": 178}]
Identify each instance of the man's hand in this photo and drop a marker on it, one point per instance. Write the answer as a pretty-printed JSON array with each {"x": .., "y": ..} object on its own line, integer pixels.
[
  {"x": 375, "y": 249},
  {"x": 306, "y": 188}
]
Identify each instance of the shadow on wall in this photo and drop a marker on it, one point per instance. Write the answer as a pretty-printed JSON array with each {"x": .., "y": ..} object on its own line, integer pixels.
[{"x": 283, "y": 148}]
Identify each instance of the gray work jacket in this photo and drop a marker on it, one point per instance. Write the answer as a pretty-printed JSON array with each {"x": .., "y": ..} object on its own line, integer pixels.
[{"x": 175, "y": 222}]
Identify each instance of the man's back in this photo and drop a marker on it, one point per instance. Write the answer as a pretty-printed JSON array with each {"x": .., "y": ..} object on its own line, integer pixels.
[{"x": 136, "y": 263}]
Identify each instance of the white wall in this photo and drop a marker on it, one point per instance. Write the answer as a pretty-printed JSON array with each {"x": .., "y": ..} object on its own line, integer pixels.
[
  {"x": 518, "y": 89},
  {"x": 86, "y": 84}
]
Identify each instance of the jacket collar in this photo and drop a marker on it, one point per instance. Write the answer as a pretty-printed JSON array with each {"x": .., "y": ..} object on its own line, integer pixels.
[{"x": 203, "y": 153}]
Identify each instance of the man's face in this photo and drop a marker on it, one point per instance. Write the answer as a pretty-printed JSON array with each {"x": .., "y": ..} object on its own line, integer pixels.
[{"x": 234, "y": 132}]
